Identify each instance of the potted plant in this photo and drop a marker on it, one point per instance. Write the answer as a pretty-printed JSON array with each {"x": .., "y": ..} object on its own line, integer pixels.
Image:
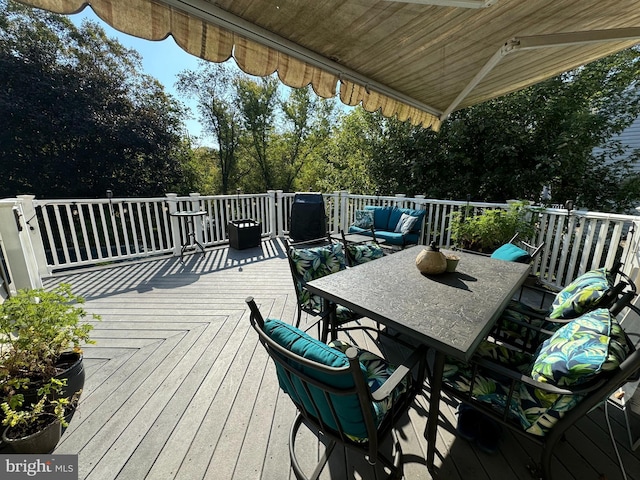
[
  {"x": 492, "y": 228},
  {"x": 38, "y": 427},
  {"x": 41, "y": 335}
]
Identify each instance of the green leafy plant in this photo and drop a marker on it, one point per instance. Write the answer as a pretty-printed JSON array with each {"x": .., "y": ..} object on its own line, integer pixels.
[
  {"x": 488, "y": 230},
  {"x": 26, "y": 421},
  {"x": 36, "y": 328}
]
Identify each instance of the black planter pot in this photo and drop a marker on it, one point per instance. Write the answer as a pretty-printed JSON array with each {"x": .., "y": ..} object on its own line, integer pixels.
[
  {"x": 72, "y": 369},
  {"x": 43, "y": 441}
]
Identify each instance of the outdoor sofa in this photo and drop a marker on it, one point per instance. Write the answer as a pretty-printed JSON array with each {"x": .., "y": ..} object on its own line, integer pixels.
[{"x": 396, "y": 226}]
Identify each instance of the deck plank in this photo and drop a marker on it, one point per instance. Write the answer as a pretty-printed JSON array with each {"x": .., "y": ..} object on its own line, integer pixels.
[{"x": 177, "y": 385}]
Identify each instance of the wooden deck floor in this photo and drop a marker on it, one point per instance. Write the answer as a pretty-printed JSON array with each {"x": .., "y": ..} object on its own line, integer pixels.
[{"x": 177, "y": 387}]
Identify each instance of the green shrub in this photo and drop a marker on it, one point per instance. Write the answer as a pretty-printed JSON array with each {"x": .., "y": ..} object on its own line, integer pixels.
[
  {"x": 36, "y": 327},
  {"x": 488, "y": 230}
]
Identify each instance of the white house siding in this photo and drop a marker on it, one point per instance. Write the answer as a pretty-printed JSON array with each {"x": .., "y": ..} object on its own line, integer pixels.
[{"x": 630, "y": 139}]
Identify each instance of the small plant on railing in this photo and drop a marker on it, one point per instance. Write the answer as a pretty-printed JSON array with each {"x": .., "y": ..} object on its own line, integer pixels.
[{"x": 486, "y": 231}]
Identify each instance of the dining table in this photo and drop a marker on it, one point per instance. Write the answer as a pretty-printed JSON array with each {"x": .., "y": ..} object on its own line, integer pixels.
[{"x": 451, "y": 313}]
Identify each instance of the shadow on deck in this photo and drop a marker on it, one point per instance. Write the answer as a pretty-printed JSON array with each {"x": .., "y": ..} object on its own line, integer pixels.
[{"x": 177, "y": 386}]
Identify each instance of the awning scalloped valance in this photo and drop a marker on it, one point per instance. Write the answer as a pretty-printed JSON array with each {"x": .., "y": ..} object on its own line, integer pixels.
[{"x": 154, "y": 20}]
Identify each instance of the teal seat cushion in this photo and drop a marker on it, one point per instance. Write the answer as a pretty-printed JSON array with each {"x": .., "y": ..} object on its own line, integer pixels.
[
  {"x": 347, "y": 407},
  {"x": 362, "y": 231},
  {"x": 376, "y": 371},
  {"x": 581, "y": 295},
  {"x": 511, "y": 253},
  {"x": 582, "y": 349},
  {"x": 393, "y": 238}
]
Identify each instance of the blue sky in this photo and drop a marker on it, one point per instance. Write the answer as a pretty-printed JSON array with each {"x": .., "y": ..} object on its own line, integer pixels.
[{"x": 162, "y": 60}]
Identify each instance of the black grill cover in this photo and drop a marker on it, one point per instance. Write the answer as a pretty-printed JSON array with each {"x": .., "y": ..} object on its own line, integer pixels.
[{"x": 308, "y": 217}]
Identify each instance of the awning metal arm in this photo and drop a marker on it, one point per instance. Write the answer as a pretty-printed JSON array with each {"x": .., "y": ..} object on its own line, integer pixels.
[{"x": 543, "y": 41}]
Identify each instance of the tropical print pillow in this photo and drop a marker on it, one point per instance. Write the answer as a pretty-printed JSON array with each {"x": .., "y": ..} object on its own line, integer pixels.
[
  {"x": 364, "y": 219},
  {"x": 364, "y": 253},
  {"x": 580, "y": 350},
  {"x": 312, "y": 263},
  {"x": 581, "y": 295},
  {"x": 535, "y": 410}
]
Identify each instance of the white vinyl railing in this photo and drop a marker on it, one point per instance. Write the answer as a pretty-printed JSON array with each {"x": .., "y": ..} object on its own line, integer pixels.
[{"x": 89, "y": 232}]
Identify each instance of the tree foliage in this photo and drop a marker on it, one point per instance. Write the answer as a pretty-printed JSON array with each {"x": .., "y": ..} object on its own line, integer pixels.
[
  {"x": 265, "y": 133},
  {"x": 212, "y": 86},
  {"x": 79, "y": 117},
  {"x": 559, "y": 133}
]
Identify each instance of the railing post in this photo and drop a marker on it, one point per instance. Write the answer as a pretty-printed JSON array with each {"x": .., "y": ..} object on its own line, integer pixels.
[
  {"x": 273, "y": 213},
  {"x": 423, "y": 229},
  {"x": 172, "y": 203},
  {"x": 280, "y": 220},
  {"x": 400, "y": 200},
  {"x": 197, "y": 221},
  {"x": 344, "y": 209},
  {"x": 34, "y": 232},
  {"x": 17, "y": 247}
]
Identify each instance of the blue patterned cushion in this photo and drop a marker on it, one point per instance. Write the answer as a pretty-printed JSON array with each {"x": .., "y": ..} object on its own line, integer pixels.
[
  {"x": 535, "y": 410},
  {"x": 364, "y": 219},
  {"x": 511, "y": 253},
  {"x": 580, "y": 350},
  {"x": 581, "y": 295},
  {"x": 364, "y": 253},
  {"x": 317, "y": 262}
]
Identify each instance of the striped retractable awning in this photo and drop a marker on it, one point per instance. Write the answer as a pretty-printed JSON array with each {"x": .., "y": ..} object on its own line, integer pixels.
[{"x": 418, "y": 60}]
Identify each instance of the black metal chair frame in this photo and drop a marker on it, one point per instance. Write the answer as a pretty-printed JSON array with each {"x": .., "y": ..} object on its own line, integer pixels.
[
  {"x": 535, "y": 335},
  {"x": 287, "y": 360},
  {"x": 298, "y": 280},
  {"x": 533, "y": 250},
  {"x": 347, "y": 252},
  {"x": 594, "y": 393}
]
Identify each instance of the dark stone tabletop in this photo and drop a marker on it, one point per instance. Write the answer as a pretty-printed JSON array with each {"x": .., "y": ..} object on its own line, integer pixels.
[{"x": 452, "y": 312}]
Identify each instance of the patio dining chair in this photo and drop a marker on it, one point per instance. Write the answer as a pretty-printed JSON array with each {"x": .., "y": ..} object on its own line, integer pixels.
[
  {"x": 357, "y": 254},
  {"x": 308, "y": 264},
  {"x": 541, "y": 395},
  {"x": 517, "y": 250},
  {"x": 525, "y": 326},
  {"x": 344, "y": 395}
]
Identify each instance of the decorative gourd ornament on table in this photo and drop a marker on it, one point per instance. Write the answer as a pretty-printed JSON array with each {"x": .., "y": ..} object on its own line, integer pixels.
[{"x": 431, "y": 260}]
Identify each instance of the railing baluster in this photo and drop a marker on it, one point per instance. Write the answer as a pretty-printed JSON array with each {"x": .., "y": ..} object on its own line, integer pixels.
[
  {"x": 47, "y": 226},
  {"x": 61, "y": 232},
  {"x": 83, "y": 228},
  {"x": 72, "y": 231},
  {"x": 94, "y": 230}
]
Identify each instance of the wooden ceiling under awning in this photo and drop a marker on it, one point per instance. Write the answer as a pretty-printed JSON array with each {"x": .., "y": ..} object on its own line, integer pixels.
[{"x": 414, "y": 59}]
